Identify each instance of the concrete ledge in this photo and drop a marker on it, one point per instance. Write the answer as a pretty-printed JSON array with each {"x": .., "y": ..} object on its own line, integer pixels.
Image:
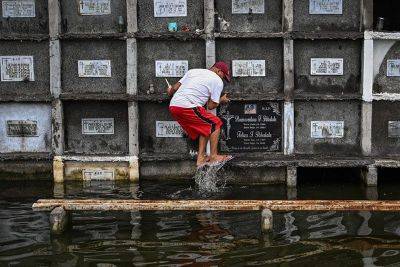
[{"x": 28, "y": 169}]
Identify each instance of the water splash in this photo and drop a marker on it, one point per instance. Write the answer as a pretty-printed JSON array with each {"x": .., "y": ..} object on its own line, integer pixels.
[{"x": 208, "y": 180}]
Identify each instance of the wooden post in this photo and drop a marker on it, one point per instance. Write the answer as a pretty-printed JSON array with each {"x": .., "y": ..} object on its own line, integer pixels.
[
  {"x": 266, "y": 220},
  {"x": 59, "y": 219}
]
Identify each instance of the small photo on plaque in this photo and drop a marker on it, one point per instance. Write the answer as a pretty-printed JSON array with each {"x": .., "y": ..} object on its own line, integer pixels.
[
  {"x": 393, "y": 68},
  {"x": 250, "y": 109}
]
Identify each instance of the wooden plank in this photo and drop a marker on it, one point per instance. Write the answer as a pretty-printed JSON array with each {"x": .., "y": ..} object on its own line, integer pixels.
[{"x": 226, "y": 205}]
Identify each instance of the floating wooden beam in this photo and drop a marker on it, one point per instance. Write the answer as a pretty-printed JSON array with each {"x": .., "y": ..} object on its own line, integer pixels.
[{"x": 223, "y": 205}]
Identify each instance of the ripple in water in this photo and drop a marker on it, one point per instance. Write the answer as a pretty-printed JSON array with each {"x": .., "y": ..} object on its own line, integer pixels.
[{"x": 207, "y": 179}]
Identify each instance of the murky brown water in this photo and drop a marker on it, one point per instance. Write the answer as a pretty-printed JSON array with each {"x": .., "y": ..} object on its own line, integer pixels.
[{"x": 198, "y": 238}]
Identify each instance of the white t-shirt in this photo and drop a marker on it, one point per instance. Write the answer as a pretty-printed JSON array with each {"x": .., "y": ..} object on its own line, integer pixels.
[{"x": 197, "y": 86}]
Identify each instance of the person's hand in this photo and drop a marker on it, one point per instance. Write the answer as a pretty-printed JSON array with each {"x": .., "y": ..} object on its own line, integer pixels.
[
  {"x": 170, "y": 91},
  {"x": 224, "y": 99}
]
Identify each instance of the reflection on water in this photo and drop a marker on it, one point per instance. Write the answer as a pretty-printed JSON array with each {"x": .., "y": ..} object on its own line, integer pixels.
[{"x": 165, "y": 238}]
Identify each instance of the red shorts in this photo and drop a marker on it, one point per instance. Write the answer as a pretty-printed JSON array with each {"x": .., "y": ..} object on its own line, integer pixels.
[{"x": 196, "y": 121}]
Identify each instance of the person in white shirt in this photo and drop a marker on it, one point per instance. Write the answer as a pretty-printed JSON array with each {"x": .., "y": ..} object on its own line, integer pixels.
[{"x": 199, "y": 88}]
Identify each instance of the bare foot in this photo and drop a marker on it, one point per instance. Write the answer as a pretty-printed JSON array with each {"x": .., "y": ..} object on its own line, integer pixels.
[
  {"x": 202, "y": 159},
  {"x": 219, "y": 158}
]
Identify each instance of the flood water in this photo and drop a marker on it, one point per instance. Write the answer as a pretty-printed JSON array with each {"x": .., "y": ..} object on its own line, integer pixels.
[{"x": 198, "y": 238}]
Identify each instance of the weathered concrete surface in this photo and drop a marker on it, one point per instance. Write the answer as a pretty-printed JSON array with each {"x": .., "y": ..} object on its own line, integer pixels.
[
  {"x": 36, "y": 25},
  {"x": 270, "y": 21},
  {"x": 73, "y": 22},
  {"x": 31, "y": 89},
  {"x": 266, "y": 220},
  {"x": 370, "y": 176},
  {"x": 348, "y": 21},
  {"x": 58, "y": 169},
  {"x": 13, "y": 170},
  {"x": 151, "y": 50},
  {"x": 261, "y": 175},
  {"x": 111, "y": 170},
  {"x": 113, "y": 50},
  {"x": 39, "y": 114},
  {"x": 383, "y": 83},
  {"x": 167, "y": 170},
  {"x": 347, "y": 111},
  {"x": 113, "y": 144},
  {"x": 269, "y": 50},
  {"x": 382, "y": 113},
  {"x": 148, "y": 23},
  {"x": 59, "y": 219},
  {"x": 149, "y": 113},
  {"x": 348, "y": 83}
]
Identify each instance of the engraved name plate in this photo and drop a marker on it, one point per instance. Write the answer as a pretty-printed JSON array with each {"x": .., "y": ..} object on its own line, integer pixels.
[
  {"x": 327, "y": 129},
  {"x": 171, "y": 68},
  {"x": 94, "y": 68},
  {"x": 18, "y": 9},
  {"x": 170, "y": 8},
  {"x": 22, "y": 128},
  {"x": 393, "y": 68},
  {"x": 99, "y": 126},
  {"x": 16, "y": 68},
  {"x": 327, "y": 66},
  {"x": 94, "y": 7},
  {"x": 97, "y": 174},
  {"x": 394, "y": 129},
  {"x": 248, "y": 7},
  {"x": 326, "y": 7},
  {"x": 248, "y": 68},
  {"x": 168, "y": 129}
]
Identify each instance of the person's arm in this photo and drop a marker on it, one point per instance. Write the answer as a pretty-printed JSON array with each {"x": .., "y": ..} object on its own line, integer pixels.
[
  {"x": 172, "y": 89},
  {"x": 212, "y": 105}
]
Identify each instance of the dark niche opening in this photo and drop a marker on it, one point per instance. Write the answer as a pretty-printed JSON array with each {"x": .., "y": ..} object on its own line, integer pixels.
[{"x": 386, "y": 15}]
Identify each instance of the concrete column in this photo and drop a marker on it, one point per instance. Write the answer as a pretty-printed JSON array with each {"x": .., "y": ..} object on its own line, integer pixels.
[
  {"x": 55, "y": 68},
  {"x": 131, "y": 66},
  {"x": 266, "y": 220},
  {"x": 368, "y": 69},
  {"x": 131, "y": 16},
  {"x": 54, "y": 18},
  {"x": 371, "y": 193},
  {"x": 209, "y": 16},
  {"x": 370, "y": 175},
  {"x": 133, "y": 116},
  {"x": 58, "y": 169},
  {"x": 288, "y": 69},
  {"x": 366, "y": 128},
  {"x": 288, "y": 128},
  {"x": 57, "y": 127},
  {"x": 287, "y": 15},
  {"x": 59, "y": 220},
  {"x": 367, "y": 11},
  {"x": 291, "y": 176},
  {"x": 291, "y": 193},
  {"x": 58, "y": 190}
]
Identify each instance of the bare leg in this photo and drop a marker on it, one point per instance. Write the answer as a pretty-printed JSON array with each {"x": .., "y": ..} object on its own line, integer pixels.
[
  {"x": 214, "y": 157},
  {"x": 201, "y": 156}
]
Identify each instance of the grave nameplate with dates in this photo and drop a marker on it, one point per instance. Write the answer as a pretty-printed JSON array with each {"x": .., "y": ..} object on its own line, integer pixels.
[{"x": 251, "y": 127}]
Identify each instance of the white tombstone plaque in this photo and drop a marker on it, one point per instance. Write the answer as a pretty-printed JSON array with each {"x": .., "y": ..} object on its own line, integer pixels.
[
  {"x": 170, "y": 8},
  {"x": 327, "y": 129},
  {"x": 394, "y": 129},
  {"x": 393, "y": 68},
  {"x": 16, "y": 68},
  {"x": 248, "y": 6},
  {"x": 98, "y": 126},
  {"x": 326, "y": 7},
  {"x": 171, "y": 68},
  {"x": 168, "y": 129},
  {"x": 248, "y": 68},
  {"x": 327, "y": 66},
  {"x": 94, "y": 68},
  {"x": 97, "y": 174},
  {"x": 18, "y": 9},
  {"x": 94, "y": 7}
]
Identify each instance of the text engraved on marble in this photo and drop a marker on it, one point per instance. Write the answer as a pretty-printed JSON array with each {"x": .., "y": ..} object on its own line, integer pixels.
[
  {"x": 98, "y": 126},
  {"x": 166, "y": 129},
  {"x": 248, "y": 6},
  {"x": 327, "y": 66},
  {"x": 94, "y": 68},
  {"x": 170, "y": 8},
  {"x": 171, "y": 68},
  {"x": 251, "y": 127},
  {"x": 97, "y": 174},
  {"x": 248, "y": 68},
  {"x": 16, "y": 68},
  {"x": 394, "y": 129},
  {"x": 326, "y": 7},
  {"x": 327, "y": 129},
  {"x": 22, "y": 128},
  {"x": 18, "y": 9},
  {"x": 393, "y": 68},
  {"x": 94, "y": 7}
]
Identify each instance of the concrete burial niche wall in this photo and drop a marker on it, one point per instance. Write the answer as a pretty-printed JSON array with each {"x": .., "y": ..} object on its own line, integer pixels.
[
  {"x": 326, "y": 15},
  {"x": 327, "y": 66},
  {"x": 94, "y": 66},
  {"x": 154, "y": 15},
  {"x": 89, "y": 16},
  {"x": 96, "y": 127},
  {"x": 24, "y": 68},
  {"x": 24, "y": 17},
  {"x": 385, "y": 128},
  {"x": 159, "y": 133},
  {"x": 387, "y": 67},
  {"x": 327, "y": 127},
  {"x": 251, "y": 16},
  {"x": 256, "y": 65},
  {"x": 174, "y": 58},
  {"x": 25, "y": 127}
]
